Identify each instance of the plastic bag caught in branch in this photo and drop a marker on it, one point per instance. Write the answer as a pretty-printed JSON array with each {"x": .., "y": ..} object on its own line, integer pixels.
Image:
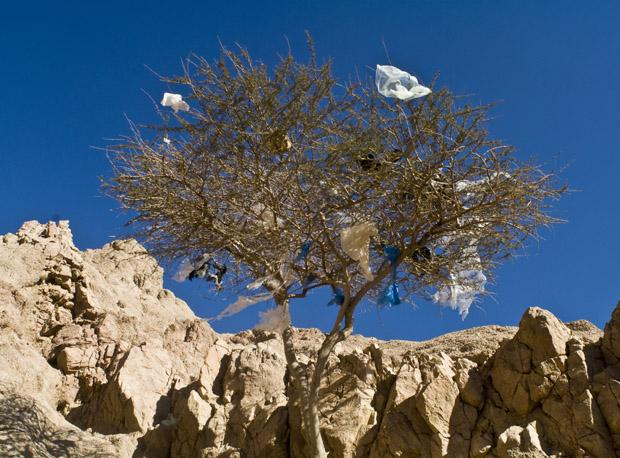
[
  {"x": 174, "y": 101},
  {"x": 187, "y": 266},
  {"x": 396, "y": 83},
  {"x": 274, "y": 320},
  {"x": 240, "y": 304},
  {"x": 283, "y": 279},
  {"x": 462, "y": 185},
  {"x": 465, "y": 282},
  {"x": 355, "y": 241},
  {"x": 277, "y": 141},
  {"x": 266, "y": 217}
]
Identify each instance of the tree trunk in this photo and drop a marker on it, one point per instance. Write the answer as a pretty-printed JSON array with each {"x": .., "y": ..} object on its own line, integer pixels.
[
  {"x": 309, "y": 406},
  {"x": 310, "y": 390}
]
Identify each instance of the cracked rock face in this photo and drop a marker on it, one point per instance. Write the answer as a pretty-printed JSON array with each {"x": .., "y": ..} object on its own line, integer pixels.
[{"x": 97, "y": 359}]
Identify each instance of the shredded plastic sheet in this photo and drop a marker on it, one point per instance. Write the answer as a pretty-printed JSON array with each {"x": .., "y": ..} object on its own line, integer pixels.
[
  {"x": 285, "y": 275},
  {"x": 391, "y": 254},
  {"x": 303, "y": 251},
  {"x": 389, "y": 296},
  {"x": 466, "y": 281},
  {"x": 338, "y": 297},
  {"x": 240, "y": 304},
  {"x": 188, "y": 265},
  {"x": 331, "y": 191},
  {"x": 341, "y": 218},
  {"x": 174, "y": 101},
  {"x": 396, "y": 83},
  {"x": 355, "y": 241},
  {"x": 266, "y": 217},
  {"x": 463, "y": 185},
  {"x": 274, "y": 320}
]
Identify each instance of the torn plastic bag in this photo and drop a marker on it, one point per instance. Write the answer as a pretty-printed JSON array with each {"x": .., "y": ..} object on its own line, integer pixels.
[
  {"x": 389, "y": 296},
  {"x": 338, "y": 297},
  {"x": 174, "y": 101},
  {"x": 240, "y": 304},
  {"x": 465, "y": 282},
  {"x": 355, "y": 241},
  {"x": 463, "y": 185},
  {"x": 188, "y": 266},
  {"x": 303, "y": 251},
  {"x": 266, "y": 216},
  {"x": 285, "y": 274},
  {"x": 396, "y": 83},
  {"x": 274, "y": 320}
]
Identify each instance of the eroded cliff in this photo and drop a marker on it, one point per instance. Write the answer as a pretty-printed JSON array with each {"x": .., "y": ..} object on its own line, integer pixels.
[{"x": 97, "y": 359}]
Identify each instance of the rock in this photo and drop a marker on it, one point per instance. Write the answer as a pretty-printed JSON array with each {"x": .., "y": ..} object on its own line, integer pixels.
[
  {"x": 527, "y": 367},
  {"x": 544, "y": 334},
  {"x": 27, "y": 429},
  {"x": 75, "y": 359},
  {"x": 98, "y": 359},
  {"x": 469, "y": 382},
  {"x": 520, "y": 442},
  {"x": 611, "y": 338}
]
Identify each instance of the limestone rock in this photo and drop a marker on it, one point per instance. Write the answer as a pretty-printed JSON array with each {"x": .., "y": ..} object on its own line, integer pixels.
[
  {"x": 518, "y": 442},
  {"x": 611, "y": 338},
  {"x": 98, "y": 359}
]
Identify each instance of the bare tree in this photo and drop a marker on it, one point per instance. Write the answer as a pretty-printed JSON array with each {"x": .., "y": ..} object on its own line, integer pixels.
[{"x": 294, "y": 180}]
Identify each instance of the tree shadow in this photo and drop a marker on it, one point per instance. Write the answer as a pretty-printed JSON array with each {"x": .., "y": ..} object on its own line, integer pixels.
[{"x": 26, "y": 431}]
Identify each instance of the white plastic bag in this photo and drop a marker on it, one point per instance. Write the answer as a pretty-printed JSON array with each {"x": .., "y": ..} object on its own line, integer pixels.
[
  {"x": 274, "y": 320},
  {"x": 466, "y": 281},
  {"x": 242, "y": 303},
  {"x": 174, "y": 101},
  {"x": 266, "y": 216},
  {"x": 355, "y": 241},
  {"x": 396, "y": 83}
]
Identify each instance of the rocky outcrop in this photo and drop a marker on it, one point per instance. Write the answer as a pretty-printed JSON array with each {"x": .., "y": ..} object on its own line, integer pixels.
[{"x": 97, "y": 359}]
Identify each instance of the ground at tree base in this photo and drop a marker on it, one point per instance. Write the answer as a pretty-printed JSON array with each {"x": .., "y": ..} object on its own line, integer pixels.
[{"x": 97, "y": 359}]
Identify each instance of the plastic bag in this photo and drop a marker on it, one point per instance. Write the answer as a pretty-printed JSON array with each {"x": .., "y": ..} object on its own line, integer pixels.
[
  {"x": 396, "y": 83},
  {"x": 274, "y": 320},
  {"x": 337, "y": 297},
  {"x": 174, "y": 101},
  {"x": 303, "y": 251},
  {"x": 355, "y": 241},
  {"x": 266, "y": 216},
  {"x": 278, "y": 142},
  {"x": 284, "y": 273},
  {"x": 188, "y": 265},
  {"x": 242, "y": 303},
  {"x": 466, "y": 281},
  {"x": 389, "y": 296}
]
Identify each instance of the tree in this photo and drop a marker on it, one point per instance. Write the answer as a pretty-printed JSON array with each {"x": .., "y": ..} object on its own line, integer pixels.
[{"x": 300, "y": 182}]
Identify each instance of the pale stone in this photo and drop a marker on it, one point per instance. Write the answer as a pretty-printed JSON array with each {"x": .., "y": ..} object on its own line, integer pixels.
[{"x": 94, "y": 338}]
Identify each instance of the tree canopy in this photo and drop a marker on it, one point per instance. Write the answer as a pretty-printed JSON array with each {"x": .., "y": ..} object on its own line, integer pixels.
[{"x": 266, "y": 164}]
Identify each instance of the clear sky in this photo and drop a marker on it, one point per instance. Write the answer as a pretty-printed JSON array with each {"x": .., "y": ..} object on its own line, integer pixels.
[{"x": 71, "y": 71}]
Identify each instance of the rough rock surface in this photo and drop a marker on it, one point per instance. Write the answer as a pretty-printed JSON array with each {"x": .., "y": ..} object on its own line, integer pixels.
[{"x": 97, "y": 359}]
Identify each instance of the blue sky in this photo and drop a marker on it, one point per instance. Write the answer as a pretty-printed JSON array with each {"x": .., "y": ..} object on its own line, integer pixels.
[{"x": 71, "y": 71}]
